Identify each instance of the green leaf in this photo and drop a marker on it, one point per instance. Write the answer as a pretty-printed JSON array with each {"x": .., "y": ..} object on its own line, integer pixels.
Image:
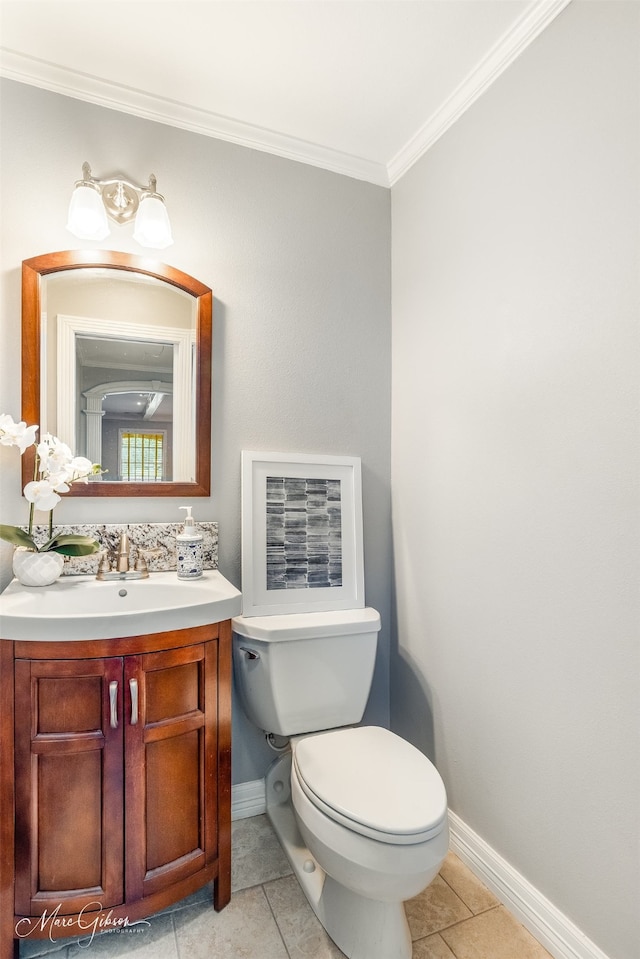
[
  {"x": 17, "y": 536},
  {"x": 70, "y": 544}
]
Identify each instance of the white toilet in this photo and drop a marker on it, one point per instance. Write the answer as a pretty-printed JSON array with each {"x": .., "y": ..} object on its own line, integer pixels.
[{"x": 360, "y": 812}]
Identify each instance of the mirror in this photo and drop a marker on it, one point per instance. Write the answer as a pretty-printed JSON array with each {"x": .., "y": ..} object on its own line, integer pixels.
[{"x": 116, "y": 362}]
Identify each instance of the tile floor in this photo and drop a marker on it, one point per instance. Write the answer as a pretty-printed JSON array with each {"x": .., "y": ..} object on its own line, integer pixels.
[{"x": 268, "y": 917}]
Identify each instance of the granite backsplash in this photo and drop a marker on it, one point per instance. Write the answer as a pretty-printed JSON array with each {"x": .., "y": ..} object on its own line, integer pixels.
[{"x": 158, "y": 537}]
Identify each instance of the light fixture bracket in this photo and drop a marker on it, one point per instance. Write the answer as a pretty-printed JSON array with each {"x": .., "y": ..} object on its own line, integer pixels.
[
  {"x": 120, "y": 200},
  {"x": 121, "y": 197}
]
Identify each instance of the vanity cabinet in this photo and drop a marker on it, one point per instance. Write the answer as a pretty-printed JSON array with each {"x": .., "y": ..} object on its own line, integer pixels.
[{"x": 119, "y": 783}]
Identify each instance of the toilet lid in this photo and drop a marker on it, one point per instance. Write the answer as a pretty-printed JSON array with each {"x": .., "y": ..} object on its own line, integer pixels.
[{"x": 373, "y": 782}]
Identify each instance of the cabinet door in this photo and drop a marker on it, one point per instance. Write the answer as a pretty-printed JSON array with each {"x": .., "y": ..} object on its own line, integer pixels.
[
  {"x": 170, "y": 766},
  {"x": 69, "y": 785}
]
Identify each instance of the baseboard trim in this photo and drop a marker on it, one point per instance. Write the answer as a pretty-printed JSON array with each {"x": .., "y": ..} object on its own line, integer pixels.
[
  {"x": 551, "y": 928},
  {"x": 248, "y": 799}
]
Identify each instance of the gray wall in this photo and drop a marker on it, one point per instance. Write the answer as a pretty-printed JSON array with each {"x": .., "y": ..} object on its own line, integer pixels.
[
  {"x": 299, "y": 262},
  {"x": 515, "y": 465}
]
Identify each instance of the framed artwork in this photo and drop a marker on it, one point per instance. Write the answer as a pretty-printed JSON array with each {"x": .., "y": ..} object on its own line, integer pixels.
[{"x": 301, "y": 533}]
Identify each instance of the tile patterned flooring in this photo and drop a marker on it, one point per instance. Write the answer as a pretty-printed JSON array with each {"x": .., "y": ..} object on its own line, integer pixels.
[{"x": 268, "y": 917}]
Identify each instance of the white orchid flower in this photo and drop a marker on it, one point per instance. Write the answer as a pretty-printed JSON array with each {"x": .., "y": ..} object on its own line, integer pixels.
[
  {"x": 55, "y": 469},
  {"x": 54, "y": 455},
  {"x": 16, "y": 434},
  {"x": 57, "y": 481},
  {"x": 42, "y": 494},
  {"x": 79, "y": 469}
]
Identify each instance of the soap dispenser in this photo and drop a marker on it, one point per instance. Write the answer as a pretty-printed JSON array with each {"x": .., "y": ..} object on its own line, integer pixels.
[{"x": 189, "y": 544}]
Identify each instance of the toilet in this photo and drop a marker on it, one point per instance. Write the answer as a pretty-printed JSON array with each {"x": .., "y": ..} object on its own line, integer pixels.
[{"x": 360, "y": 812}]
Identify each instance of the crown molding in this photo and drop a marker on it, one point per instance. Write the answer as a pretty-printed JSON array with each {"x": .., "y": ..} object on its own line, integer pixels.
[
  {"x": 511, "y": 44},
  {"x": 115, "y": 96}
]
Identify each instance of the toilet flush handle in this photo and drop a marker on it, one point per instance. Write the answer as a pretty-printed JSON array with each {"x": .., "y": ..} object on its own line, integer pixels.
[{"x": 250, "y": 653}]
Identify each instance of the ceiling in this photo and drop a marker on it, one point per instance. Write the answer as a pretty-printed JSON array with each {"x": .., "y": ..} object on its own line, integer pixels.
[{"x": 361, "y": 87}]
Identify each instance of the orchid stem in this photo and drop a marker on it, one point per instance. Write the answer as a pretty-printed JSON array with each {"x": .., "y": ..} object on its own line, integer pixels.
[{"x": 33, "y": 505}]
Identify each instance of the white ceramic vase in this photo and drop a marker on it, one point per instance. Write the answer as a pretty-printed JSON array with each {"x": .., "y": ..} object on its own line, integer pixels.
[{"x": 36, "y": 569}]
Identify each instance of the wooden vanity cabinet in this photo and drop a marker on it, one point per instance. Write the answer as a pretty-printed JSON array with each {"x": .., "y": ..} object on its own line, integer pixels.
[{"x": 119, "y": 785}]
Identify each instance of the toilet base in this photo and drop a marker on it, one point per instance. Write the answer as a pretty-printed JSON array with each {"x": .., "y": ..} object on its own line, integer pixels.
[{"x": 362, "y": 928}]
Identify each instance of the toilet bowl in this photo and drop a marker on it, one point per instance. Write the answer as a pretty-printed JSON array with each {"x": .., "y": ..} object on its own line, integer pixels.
[
  {"x": 360, "y": 812},
  {"x": 359, "y": 852},
  {"x": 372, "y": 809}
]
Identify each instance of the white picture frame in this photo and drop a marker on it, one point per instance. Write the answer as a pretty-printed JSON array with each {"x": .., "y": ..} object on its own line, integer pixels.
[{"x": 302, "y": 545}]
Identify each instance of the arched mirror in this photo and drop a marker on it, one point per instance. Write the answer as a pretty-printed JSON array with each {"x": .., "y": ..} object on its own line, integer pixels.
[{"x": 116, "y": 362}]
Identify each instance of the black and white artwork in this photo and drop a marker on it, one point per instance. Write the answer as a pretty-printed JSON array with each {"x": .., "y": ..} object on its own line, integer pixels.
[
  {"x": 304, "y": 532},
  {"x": 301, "y": 533}
]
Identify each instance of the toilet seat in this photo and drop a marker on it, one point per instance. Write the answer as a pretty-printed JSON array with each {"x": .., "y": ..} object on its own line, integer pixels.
[{"x": 373, "y": 782}]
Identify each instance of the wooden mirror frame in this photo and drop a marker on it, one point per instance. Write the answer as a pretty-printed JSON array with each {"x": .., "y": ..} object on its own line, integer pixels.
[{"x": 33, "y": 270}]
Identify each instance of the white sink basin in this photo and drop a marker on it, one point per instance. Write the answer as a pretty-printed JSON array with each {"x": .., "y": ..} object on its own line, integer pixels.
[{"x": 81, "y": 607}]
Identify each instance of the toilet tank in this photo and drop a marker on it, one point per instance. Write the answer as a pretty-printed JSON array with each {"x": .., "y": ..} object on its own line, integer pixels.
[{"x": 301, "y": 672}]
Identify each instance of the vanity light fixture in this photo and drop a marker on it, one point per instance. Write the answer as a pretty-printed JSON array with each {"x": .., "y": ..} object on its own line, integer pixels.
[{"x": 94, "y": 200}]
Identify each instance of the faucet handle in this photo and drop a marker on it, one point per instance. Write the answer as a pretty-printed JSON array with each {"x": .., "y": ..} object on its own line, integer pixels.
[
  {"x": 104, "y": 563},
  {"x": 145, "y": 553},
  {"x": 149, "y": 552}
]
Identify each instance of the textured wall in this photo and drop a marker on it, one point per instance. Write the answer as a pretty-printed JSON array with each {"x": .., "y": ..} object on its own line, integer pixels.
[
  {"x": 515, "y": 466},
  {"x": 299, "y": 263}
]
